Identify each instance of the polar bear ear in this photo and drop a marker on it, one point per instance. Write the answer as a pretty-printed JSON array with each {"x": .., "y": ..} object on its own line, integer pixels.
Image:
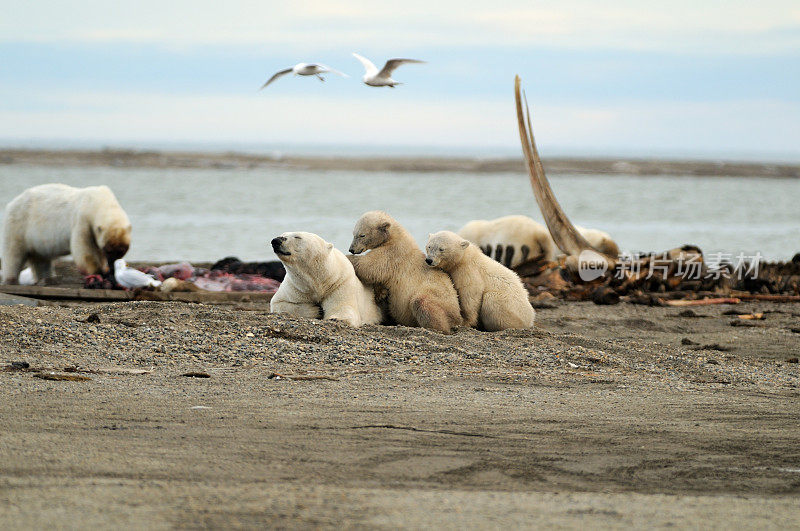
[
  {"x": 329, "y": 247},
  {"x": 384, "y": 226},
  {"x": 464, "y": 244}
]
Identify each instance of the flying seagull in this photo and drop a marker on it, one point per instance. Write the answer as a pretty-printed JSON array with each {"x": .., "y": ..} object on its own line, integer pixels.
[
  {"x": 130, "y": 278},
  {"x": 305, "y": 69},
  {"x": 383, "y": 78}
]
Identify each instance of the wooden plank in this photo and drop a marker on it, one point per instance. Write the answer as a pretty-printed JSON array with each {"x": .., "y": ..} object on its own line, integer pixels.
[
  {"x": 106, "y": 295},
  {"x": 51, "y": 292}
]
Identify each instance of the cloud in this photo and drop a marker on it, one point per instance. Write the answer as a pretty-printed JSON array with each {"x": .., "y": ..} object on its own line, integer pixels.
[
  {"x": 612, "y": 76},
  {"x": 699, "y": 27},
  {"x": 680, "y": 25}
]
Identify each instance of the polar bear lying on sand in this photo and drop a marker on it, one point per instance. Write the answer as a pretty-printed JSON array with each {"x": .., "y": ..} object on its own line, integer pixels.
[
  {"x": 514, "y": 240},
  {"x": 491, "y": 295},
  {"x": 418, "y": 294},
  {"x": 320, "y": 277},
  {"x": 52, "y": 220},
  {"x": 511, "y": 240}
]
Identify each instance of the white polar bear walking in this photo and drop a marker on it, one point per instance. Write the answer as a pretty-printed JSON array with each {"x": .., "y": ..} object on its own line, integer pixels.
[
  {"x": 52, "y": 220},
  {"x": 490, "y": 295},
  {"x": 320, "y": 277}
]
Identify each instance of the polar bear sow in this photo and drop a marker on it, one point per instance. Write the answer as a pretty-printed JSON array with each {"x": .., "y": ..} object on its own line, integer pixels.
[
  {"x": 319, "y": 276},
  {"x": 418, "y": 294},
  {"x": 491, "y": 296},
  {"x": 52, "y": 220}
]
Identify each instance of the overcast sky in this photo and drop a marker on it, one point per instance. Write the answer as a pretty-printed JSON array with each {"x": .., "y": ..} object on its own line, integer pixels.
[{"x": 688, "y": 78}]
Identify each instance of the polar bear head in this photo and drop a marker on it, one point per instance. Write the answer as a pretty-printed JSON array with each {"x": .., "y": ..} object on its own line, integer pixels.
[
  {"x": 300, "y": 247},
  {"x": 372, "y": 230},
  {"x": 445, "y": 249},
  {"x": 113, "y": 239},
  {"x": 111, "y": 227}
]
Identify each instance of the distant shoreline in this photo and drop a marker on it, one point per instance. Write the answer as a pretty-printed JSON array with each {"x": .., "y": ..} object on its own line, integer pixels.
[{"x": 235, "y": 160}]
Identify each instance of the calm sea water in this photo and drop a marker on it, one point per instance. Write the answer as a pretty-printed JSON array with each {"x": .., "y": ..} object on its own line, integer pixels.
[{"x": 204, "y": 215}]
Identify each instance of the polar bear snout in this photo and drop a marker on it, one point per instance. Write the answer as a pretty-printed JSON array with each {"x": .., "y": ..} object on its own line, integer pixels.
[
  {"x": 356, "y": 247},
  {"x": 429, "y": 261},
  {"x": 277, "y": 246},
  {"x": 115, "y": 250}
]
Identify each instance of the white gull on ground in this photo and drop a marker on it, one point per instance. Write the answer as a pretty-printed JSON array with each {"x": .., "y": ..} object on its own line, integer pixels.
[
  {"x": 305, "y": 69},
  {"x": 130, "y": 278},
  {"x": 26, "y": 277},
  {"x": 383, "y": 77}
]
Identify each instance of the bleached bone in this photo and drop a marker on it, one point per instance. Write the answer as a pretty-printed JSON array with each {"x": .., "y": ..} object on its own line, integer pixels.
[{"x": 564, "y": 233}]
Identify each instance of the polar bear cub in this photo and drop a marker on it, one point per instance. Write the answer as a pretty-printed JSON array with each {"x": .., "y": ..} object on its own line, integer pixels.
[
  {"x": 320, "y": 277},
  {"x": 52, "y": 220},
  {"x": 417, "y": 294},
  {"x": 491, "y": 295}
]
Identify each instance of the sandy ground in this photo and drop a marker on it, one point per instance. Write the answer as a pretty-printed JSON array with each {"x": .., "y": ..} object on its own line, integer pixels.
[
  {"x": 233, "y": 160},
  {"x": 601, "y": 416}
]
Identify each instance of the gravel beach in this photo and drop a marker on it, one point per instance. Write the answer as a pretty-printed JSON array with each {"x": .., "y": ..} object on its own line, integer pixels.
[{"x": 605, "y": 416}]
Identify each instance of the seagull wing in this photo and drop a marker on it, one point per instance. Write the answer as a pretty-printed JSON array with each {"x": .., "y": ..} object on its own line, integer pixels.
[
  {"x": 392, "y": 64},
  {"x": 337, "y": 72},
  {"x": 276, "y": 76},
  {"x": 326, "y": 68},
  {"x": 370, "y": 68}
]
